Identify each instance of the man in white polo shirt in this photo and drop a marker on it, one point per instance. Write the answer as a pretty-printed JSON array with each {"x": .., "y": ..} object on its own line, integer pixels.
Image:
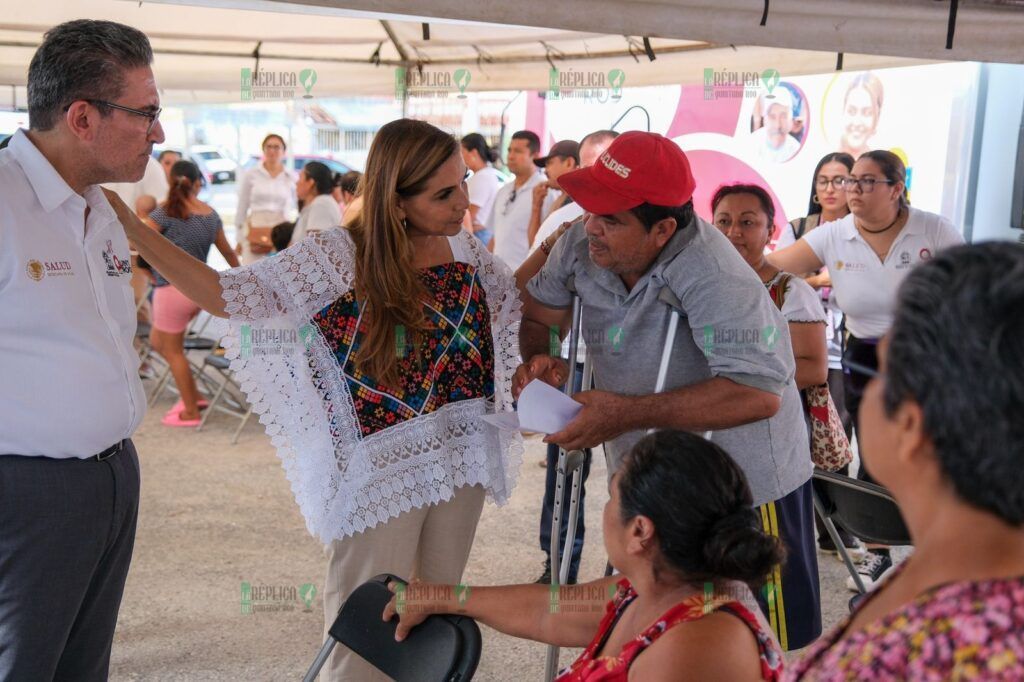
[
  {"x": 71, "y": 396},
  {"x": 510, "y": 215}
]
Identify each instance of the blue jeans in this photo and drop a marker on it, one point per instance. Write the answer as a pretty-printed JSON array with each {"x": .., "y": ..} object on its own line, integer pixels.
[{"x": 548, "y": 507}]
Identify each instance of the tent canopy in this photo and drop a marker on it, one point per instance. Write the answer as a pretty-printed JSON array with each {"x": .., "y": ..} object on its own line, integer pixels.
[{"x": 355, "y": 46}]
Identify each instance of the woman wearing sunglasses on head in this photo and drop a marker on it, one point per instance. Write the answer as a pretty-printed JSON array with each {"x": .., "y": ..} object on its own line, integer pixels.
[{"x": 868, "y": 254}]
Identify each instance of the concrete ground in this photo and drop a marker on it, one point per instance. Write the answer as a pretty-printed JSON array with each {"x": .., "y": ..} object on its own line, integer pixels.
[{"x": 215, "y": 515}]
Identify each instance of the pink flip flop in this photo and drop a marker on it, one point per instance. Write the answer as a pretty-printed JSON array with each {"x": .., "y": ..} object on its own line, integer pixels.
[
  {"x": 180, "y": 405},
  {"x": 174, "y": 419}
]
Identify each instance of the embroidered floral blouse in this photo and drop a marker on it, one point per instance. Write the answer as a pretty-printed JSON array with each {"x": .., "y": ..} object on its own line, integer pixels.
[{"x": 358, "y": 453}]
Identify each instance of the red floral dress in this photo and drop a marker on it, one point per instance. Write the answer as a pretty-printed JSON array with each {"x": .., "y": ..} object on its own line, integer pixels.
[{"x": 586, "y": 668}]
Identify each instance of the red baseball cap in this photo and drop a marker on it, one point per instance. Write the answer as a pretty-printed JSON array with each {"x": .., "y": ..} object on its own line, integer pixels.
[{"x": 636, "y": 168}]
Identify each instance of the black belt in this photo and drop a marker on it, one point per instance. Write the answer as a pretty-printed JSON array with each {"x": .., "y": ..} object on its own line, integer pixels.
[{"x": 111, "y": 451}]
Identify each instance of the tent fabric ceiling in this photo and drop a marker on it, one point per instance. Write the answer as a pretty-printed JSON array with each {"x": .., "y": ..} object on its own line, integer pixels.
[{"x": 355, "y": 46}]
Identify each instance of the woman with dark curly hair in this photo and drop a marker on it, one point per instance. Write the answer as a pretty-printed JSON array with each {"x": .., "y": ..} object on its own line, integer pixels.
[
  {"x": 681, "y": 528},
  {"x": 943, "y": 432}
]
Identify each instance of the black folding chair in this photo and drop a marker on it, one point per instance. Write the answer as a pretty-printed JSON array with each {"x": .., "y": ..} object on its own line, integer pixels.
[
  {"x": 443, "y": 648},
  {"x": 866, "y": 510}
]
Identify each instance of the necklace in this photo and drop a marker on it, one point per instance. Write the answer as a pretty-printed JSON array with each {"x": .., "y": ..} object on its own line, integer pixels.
[{"x": 888, "y": 227}]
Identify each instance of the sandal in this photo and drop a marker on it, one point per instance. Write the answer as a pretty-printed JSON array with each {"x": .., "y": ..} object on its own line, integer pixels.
[
  {"x": 174, "y": 419},
  {"x": 180, "y": 405}
]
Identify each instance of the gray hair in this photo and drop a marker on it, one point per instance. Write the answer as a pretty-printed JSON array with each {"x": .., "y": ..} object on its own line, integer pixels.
[
  {"x": 955, "y": 348},
  {"x": 82, "y": 59}
]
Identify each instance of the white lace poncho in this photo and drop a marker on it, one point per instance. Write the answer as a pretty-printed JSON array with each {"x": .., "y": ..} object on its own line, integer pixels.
[{"x": 344, "y": 480}]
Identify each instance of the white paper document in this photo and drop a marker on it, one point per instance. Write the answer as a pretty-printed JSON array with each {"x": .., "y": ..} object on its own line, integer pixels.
[{"x": 542, "y": 408}]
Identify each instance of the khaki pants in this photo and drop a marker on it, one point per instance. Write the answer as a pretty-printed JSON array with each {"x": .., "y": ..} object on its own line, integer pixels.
[{"x": 431, "y": 543}]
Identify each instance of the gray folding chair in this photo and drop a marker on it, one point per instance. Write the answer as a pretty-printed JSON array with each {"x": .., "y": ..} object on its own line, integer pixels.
[{"x": 866, "y": 510}]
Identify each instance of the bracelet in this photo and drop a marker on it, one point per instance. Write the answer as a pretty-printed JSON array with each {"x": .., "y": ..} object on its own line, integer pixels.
[{"x": 545, "y": 246}]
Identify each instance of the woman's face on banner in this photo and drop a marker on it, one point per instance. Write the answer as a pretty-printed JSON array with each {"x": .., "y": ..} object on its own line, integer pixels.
[{"x": 860, "y": 118}]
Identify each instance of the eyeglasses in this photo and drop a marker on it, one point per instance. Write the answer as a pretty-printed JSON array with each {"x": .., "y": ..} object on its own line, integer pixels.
[
  {"x": 836, "y": 182},
  {"x": 509, "y": 201},
  {"x": 153, "y": 116},
  {"x": 865, "y": 185}
]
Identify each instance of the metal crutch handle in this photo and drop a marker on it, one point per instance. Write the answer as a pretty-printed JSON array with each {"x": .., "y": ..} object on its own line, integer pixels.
[{"x": 668, "y": 297}]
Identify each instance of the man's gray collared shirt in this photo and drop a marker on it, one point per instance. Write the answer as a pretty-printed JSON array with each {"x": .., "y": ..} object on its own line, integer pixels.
[{"x": 730, "y": 328}]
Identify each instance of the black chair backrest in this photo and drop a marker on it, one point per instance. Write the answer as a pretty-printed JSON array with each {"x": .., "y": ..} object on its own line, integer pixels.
[
  {"x": 441, "y": 649},
  {"x": 866, "y": 510}
]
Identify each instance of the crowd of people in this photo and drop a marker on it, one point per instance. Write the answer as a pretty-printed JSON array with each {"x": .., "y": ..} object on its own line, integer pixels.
[{"x": 425, "y": 301}]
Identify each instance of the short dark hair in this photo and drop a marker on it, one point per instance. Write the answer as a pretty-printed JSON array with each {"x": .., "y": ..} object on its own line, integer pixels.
[
  {"x": 649, "y": 214},
  {"x": 166, "y": 152},
  {"x": 955, "y": 349},
  {"x": 478, "y": 143},
  {"x": 348, "y": 182},
  {"x": 281, "y": 235},
  {"x": 82, "y": 59},
  {"x": 892, "y": 168},
  {"x": 531, "y": 139},
  {"x": 701, "y": 507},
  {"x": 321, "y": 176},
  {"x": 598, "y": 136},
  {"x": 813, "y": 206},
  {"x": 765, "y": 199}
]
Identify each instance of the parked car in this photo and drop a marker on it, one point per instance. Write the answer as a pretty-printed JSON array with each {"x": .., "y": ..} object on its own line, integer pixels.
[
  {"x": 213, "y": 163},
  {"x": 302, "y": 159}
]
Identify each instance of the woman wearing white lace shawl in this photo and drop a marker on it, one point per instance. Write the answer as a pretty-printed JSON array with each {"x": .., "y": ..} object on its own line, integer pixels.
[{"x": 370, "y": 355}]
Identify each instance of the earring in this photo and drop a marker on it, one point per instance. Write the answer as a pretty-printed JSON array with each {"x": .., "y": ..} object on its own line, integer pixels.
[{"x": 815, "y": 199}]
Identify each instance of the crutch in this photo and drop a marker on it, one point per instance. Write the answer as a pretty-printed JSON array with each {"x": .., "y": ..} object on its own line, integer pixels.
[
  {"x": 569, "y": 463},
  {"x": 667, "y": 297},
  {"x": 573, "y": 461}
]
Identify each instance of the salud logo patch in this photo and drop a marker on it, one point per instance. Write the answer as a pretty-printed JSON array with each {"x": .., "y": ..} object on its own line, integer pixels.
[{"x": 35, "y": 270}]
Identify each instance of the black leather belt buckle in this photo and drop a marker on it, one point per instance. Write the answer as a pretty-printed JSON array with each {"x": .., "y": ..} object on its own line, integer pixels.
[{"x": 110, "y": 452}]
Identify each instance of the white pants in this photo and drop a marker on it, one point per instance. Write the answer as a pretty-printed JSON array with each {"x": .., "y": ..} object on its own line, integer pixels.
[{"x": 431, "y": 543}]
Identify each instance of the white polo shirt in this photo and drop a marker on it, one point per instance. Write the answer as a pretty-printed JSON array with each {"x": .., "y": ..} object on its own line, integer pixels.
[
  {"x": 865, "y": 287},
  {"x": 70, "y": 385},
  {"x": 510, "y": 219}
]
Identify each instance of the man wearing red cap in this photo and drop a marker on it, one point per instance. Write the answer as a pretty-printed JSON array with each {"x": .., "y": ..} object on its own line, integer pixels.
[{"x": 732, "y": 368}]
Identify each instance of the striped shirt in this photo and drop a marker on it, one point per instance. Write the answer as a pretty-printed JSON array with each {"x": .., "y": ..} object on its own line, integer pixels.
[{"x": 193, "y": 235}]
